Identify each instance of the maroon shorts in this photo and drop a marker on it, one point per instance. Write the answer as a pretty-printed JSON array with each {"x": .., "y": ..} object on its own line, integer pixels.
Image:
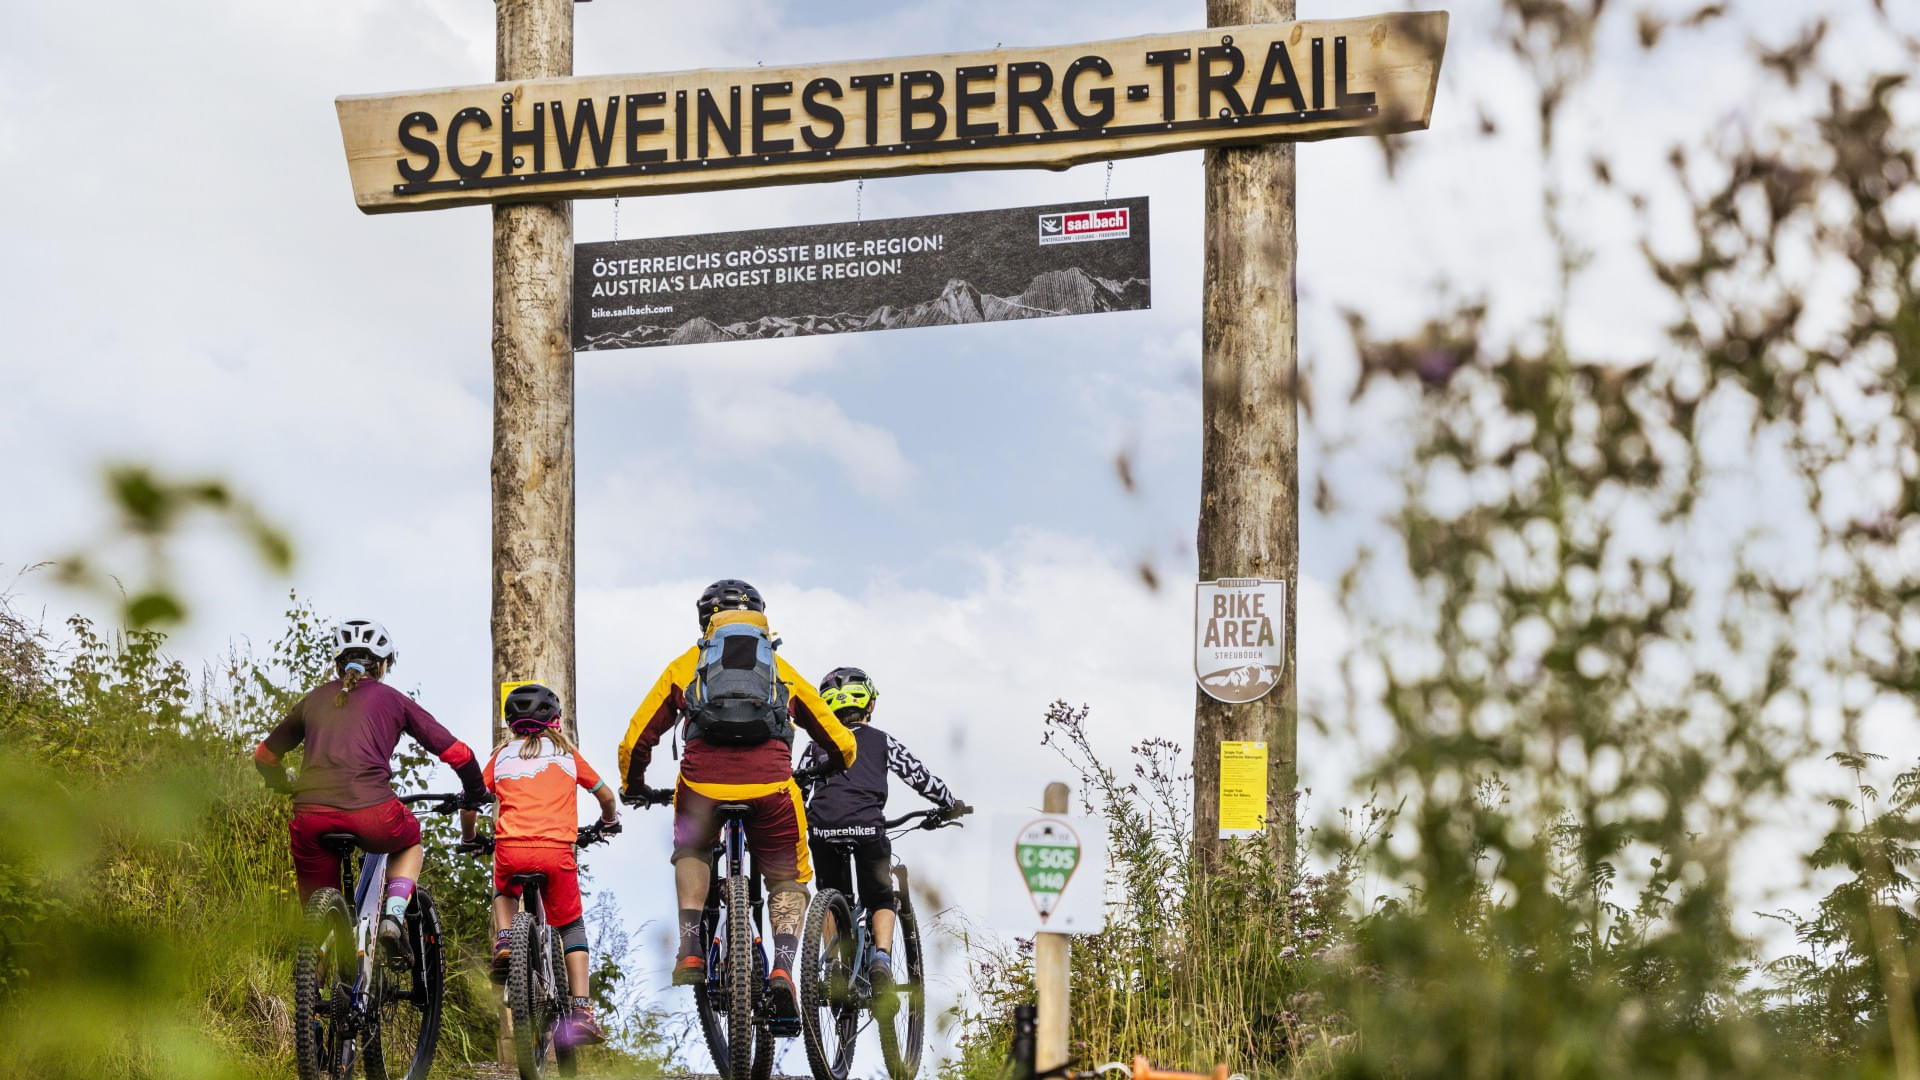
[
  {"x": 776, "y": 830},
  {"x": 383, "y": 829},
  {"x": 561, "y": 897}
]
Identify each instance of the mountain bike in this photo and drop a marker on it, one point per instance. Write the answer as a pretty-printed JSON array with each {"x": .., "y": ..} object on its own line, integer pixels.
[
  {"x": 348, "y": 1004},
  {"x": 538, "y": 994},
  {"x": 836, "y": 946}
]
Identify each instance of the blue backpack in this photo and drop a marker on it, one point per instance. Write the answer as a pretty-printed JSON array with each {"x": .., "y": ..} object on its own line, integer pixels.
[{"x": 736, "y": 697}]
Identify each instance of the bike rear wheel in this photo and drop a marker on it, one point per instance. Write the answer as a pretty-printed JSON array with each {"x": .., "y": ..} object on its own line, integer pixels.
[
  {"x": 829, "y": 1020},
  {"x": 903, "y": 1035},
  {"x": 323, "y": 973},
  {"x": 407, "y": 1004},
  {"x": 712, "y": 1026},
  {"x": 530, "y": 994},
  {"x": 740, "y": 973}
]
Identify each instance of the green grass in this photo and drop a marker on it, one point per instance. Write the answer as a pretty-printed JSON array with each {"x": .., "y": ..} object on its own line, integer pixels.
[{"x": 147, "y": 913}]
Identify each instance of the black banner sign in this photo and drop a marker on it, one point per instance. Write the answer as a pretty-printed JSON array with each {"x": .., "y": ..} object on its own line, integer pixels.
[{"x": 937, "y": 270}]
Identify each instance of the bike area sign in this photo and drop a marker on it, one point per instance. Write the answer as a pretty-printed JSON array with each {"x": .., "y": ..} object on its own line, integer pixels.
[
  {"x": 1049, "y": 874},
  {"x": 598, "y": 136},
  {"x": 936, "y": 270},
  {"x": 1239, "y": 634}
]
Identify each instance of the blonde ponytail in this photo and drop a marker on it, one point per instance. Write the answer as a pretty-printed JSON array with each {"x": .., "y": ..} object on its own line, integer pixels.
[{"x": 530, "y": 744}]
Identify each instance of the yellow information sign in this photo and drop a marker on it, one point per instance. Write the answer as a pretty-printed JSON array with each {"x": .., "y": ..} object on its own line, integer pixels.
[
  {"x": 1243, "y": 788},
  {"x": 508, "y": 688}
]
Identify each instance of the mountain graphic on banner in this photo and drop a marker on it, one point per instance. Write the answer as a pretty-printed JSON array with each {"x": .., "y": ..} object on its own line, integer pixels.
[{"x": 1056, "y": 292}]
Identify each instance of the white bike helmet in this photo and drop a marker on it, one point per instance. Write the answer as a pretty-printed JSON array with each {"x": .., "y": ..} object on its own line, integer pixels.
[{"x": 367, "y": 635}]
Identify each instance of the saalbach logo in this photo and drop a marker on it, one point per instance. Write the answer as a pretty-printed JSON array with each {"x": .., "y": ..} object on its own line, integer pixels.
[{"x": 1073, "y": 226}]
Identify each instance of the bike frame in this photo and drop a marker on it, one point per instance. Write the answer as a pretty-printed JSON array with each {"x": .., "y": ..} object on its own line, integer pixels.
[
  {"x": 858, "y": 981},
  {"x": 863, "y": 919},
  {"x": 368, "y": 892}
]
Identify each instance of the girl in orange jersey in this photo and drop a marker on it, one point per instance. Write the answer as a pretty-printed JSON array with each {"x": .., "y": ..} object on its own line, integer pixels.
[{"x": 536, "y": 778}]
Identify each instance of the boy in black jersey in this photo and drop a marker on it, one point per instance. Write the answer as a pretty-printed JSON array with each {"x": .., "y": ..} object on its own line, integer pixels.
[{"x": 846, "y": 811}]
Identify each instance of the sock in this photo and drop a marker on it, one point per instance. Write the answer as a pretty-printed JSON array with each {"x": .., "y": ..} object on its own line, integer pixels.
[
  {"x": 399, "y": 894},
  {"x": 690, "y": 935},
  {"x": 500, "y": 940},
  {"x": 880, "y": 957},
  {"x": 784, "y": 946},
  {"x": 583, "y": 1003}
]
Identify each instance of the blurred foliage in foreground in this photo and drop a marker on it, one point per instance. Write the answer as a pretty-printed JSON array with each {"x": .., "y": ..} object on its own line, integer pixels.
[
  {"x": 147, "y": 917},
  {"x": 1650, "y": 584},
  {"x": 1530, "y": 961}
]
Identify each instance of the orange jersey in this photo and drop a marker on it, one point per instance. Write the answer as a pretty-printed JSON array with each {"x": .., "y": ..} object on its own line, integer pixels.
[{"x": 538, "y": 795}]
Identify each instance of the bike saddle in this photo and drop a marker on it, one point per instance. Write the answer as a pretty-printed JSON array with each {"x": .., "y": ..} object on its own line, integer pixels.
[
  {"x": 734, "y": 810},
  {"x": 529, "y": 881},
  {"x": 340, "y": 843}
]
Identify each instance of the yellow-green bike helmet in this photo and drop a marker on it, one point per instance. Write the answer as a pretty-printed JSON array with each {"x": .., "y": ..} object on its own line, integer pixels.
[{"x": 849, "y": 688}]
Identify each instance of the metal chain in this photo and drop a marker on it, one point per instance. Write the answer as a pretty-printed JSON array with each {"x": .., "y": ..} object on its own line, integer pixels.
[
  {"x": 1108, "y": 191},
  {"x": 616, "y": 217},
  {"x": 859, "y": 189}
]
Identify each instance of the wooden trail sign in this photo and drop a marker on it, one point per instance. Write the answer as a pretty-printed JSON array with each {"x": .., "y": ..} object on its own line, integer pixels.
[{"x": 560, "y": 138}]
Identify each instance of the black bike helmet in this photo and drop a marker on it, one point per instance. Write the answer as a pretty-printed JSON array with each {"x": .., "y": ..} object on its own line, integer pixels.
[
  {"x": 728, "y": 594},
  {"x": 531, "y": 709}
]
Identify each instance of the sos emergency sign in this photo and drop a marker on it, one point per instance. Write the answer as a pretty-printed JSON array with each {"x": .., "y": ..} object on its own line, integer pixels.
[{"x": 1049, "y": 874}]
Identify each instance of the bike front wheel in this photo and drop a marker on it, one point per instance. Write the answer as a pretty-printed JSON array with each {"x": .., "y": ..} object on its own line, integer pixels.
[
  {"x": 829, "y": 1019},
  {"x": 406, "y": 1005},
  {"x": 323, "y": 975},
  {"x": 903, "y": 1034}
]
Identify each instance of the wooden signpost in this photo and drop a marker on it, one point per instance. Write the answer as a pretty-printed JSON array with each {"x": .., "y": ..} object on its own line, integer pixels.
[
  {"x": 526, "y": 138},
  {"x": 1245, "y": 89}
]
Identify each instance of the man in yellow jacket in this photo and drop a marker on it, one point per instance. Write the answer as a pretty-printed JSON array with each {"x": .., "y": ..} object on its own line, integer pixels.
[{"x": 741, "y": 702}]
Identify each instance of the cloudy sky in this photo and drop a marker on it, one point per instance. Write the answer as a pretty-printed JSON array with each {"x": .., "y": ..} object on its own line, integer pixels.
[{"x": 189, "y": 285}]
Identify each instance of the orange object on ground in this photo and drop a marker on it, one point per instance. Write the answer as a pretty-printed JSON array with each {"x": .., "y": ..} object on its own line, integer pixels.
[{"x": 1144, "y": 1071}]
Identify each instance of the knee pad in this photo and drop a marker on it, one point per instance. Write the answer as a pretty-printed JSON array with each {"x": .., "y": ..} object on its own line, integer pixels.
[{"x": 573, "y": 936}]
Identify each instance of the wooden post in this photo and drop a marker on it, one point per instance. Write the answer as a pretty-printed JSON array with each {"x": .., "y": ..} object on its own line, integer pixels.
[
  {"x": 533, "y": 390},
  {"x": 1050, "y": 971},
  {"x": 532, "y": 403},
  {"x": 1249, "y": 490}
]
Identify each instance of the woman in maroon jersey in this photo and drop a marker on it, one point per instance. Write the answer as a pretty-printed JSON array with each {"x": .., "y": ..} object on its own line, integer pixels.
[{"x": 350, "y": 725}]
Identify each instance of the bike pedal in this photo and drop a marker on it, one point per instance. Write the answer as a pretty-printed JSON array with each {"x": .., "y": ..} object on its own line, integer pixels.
[{"x": 784, "y": 1029}]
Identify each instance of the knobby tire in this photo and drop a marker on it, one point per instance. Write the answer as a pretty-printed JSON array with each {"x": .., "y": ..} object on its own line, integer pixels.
[
  {"x": 562, "y": 1003},
  {"x": 323, "y": 963},
  {"x": 740, "y": 978},
  {"x": 903, "y": 1035},
  {"x": 711, "y": 1026},
  {"x": 830, "y": 1022},
  {"x": 524, "y": 997},
  {"x": 407, "y": 1006}
]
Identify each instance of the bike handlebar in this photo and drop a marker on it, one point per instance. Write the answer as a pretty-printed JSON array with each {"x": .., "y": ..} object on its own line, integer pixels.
[
  {"x": 937, "y": 817},
  {"x": 597, "y": 833},
  {"x": 448, "y": 803},
  {"x": 586, "y": 836},
  {"x": 647, "y": 796}
]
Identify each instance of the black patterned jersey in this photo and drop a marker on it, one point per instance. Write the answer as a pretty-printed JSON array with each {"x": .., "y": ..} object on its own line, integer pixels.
[{"x": 854, "y": 803}]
